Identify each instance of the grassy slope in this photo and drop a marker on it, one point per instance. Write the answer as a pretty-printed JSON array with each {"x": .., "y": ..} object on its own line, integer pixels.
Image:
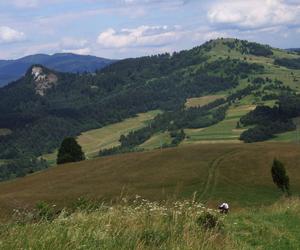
[
  {"x": 224, "y": 131},
  {"x": 4, "y": 131},
  {"x": 237, "y": 173},
  {"x": 200, "y": 101},
  {"x": 107, "y": 137},
  {"x": 156, "y": 141},
  {"x": 147, "y": 225},
  {"x": 275, "y": 227}
]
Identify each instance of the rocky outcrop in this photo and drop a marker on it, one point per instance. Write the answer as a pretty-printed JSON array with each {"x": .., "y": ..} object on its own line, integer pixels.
[{"x": 43, "y": 81}]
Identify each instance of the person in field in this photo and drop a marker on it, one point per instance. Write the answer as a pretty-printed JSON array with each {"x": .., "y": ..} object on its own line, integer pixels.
[{"x": 224, "y": 208}]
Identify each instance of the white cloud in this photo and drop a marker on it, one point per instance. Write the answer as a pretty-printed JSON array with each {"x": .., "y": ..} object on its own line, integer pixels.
[
  {"x": 82, "y": 51},
  {"x": 254, "y": 13},
  {"x": 142, "y": 36},
  {"x": 9, "y": 35}
]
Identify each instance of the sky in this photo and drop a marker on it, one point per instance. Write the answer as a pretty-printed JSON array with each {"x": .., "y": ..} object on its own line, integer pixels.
[{"x": 131, "y": 28}]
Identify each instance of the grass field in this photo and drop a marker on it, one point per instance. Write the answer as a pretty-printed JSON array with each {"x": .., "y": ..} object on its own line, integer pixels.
[
  {"x": 288, "y": 76},
  {"x": 156, "y": 141},
  {"x": 4, "y": 131},
  {"x": 237, "y": 173},
  {"x": 151, "y": 225},
  {"x": 224, "y": 131},
  {"x": 3, "y": 162},
  {"x": 107, "y": 137},
  {"x": 200, "y": 101}
]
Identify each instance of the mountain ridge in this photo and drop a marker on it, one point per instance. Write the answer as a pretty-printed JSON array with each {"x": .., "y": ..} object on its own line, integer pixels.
[{"x": 11, "y": 70}]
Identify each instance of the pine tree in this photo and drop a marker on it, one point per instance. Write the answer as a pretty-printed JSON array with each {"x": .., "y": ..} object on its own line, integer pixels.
[{"x": 70, "y": 151}]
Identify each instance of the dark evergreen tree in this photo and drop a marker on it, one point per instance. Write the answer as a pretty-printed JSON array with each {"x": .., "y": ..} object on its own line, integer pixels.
[
  {"x": 280, "y": 178},
  {"x": 70, "y": 151}
]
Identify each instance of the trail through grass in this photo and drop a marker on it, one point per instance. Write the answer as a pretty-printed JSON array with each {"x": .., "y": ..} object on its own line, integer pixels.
[{"x": 236, "y": 173}]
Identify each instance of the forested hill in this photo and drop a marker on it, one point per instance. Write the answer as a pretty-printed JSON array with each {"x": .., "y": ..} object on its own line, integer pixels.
[
  {"x": 11, "y": 70},
  {"x": 45, "y": 106}
]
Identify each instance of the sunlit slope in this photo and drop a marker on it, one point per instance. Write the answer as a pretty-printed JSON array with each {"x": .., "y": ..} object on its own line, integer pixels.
[
  {"x": 224, "y": 131},
  {"x": 237, "y": 173},
  {"x": 95, "y": 140}
]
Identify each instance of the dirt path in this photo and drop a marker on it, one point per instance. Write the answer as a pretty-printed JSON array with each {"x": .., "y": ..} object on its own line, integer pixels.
[{"x": 211, "y": 181}]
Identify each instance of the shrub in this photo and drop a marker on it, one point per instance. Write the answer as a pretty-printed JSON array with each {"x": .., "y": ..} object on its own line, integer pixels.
[{"x": 209, "y": 221}]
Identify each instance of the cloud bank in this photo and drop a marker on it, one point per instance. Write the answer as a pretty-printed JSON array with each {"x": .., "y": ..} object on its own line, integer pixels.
[{"x": 9, "y": 35}]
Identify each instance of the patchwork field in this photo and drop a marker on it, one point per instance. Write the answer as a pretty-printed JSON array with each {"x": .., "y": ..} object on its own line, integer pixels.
[
  {"x": 225, "y": 131},
  {"x": 107, "y": 137},
  {"x": 237, "y": 173},
  {"x": 289, "y": 77},
  {"x": 200, "y": 101}
]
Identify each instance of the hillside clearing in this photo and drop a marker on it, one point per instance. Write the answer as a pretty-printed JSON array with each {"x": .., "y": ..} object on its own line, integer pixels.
[
  {"x": 156, "y": 141},
  {"x": 107, "y": 137},
  {"x": 4, "y": 131},
  {"x": 223, "y": 131},
  {"x": 200, "y": 101},
  {"x": 240, "y": 174}
]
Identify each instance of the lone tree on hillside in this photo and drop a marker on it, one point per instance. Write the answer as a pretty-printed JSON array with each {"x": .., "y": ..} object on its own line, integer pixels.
[
  {"x": 280, "y": 178},
  {"x": 69, "y": 151}
]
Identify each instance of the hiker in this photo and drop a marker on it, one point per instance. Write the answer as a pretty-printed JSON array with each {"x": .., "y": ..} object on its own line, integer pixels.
[{"x": 224, "y": 208}]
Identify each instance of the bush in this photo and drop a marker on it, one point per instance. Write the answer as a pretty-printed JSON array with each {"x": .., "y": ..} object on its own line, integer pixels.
[{"x": 209, "y": 221}]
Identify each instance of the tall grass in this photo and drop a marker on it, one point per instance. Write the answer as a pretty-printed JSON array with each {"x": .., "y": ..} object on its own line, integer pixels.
[
  {"x": 136, "y": 225},
  {"x": 151, "y": 225}
]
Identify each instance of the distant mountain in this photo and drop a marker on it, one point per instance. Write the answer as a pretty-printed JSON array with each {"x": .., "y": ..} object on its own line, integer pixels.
[{"x": 11, "y": 70}]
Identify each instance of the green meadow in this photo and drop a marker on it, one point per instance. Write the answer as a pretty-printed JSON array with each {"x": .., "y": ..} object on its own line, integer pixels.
[{"x": 95, "y": 140}]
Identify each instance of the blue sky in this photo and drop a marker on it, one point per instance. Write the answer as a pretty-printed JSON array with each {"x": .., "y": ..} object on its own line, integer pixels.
[{"x": 131, "y": 28}]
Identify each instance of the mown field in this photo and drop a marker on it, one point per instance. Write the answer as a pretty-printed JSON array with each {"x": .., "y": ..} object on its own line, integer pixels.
[
  {"x": 95, "y": 140},
  {"x": 224, "y": 131},
  {"x": 156, "y": 141},
  {"x": 237, "y": 173},
  {"x": 200, "y": 101}
]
